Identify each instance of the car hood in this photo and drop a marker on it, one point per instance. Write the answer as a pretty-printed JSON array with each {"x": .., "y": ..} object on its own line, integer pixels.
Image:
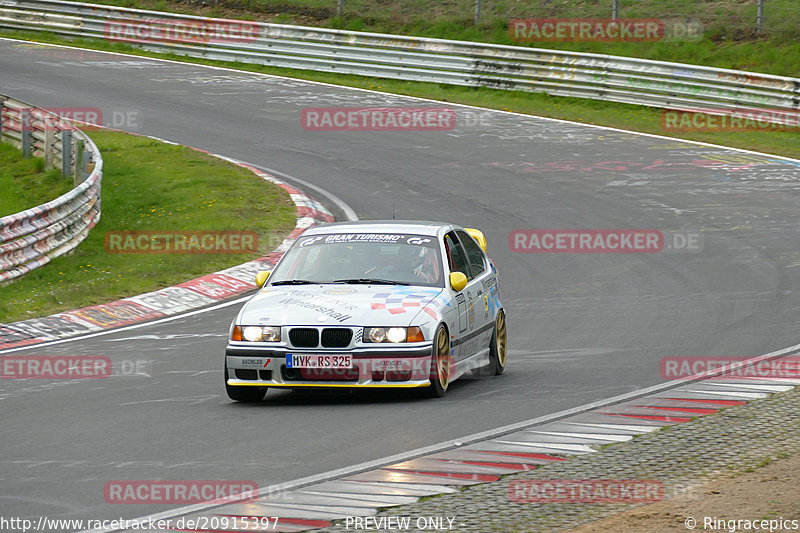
[{"x": 334, "y": 305}]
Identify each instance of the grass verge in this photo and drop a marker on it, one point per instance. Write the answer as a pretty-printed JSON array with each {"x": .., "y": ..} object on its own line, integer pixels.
[
  {"x": 25, "y": 183},
  {"x": 152, "y": 186}
]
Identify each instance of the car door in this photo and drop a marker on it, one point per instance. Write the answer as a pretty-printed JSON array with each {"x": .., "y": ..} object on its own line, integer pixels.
[
  {"x": 457, "y": 262},
  {"x": 478, "y": 316}
]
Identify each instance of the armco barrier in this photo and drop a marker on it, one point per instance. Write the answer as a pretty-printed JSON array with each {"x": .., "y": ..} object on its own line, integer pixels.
[
  {"x": 561, "y": 73},
  {"x": 33, "y": 237}
]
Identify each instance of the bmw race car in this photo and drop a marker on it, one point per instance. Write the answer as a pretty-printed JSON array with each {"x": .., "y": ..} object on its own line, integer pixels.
[{"x": 370, "y": 304}]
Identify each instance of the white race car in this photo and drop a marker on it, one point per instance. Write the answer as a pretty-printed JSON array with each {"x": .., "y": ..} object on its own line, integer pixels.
[{"x": 370, "y": 304}]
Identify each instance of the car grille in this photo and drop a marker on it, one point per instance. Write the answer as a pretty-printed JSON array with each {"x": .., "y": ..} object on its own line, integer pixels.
[
  {"x": 304, "y": 337},
  {"x": 336, "y": 337},
  {"x": 244, "y": 373},
  {"x": 310, "y": 337},
  {"x": 398, "y": 375},
  {"x": 252, "y": 374}
]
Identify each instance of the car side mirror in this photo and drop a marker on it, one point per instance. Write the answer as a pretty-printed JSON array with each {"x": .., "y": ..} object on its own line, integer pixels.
[
  {"x": 458, "y": 281},
  {"x": 261, "y": 277},
  {"x": 477, "y": 235}
]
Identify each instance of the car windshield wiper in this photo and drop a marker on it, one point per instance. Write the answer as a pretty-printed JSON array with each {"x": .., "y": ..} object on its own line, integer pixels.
[
  {"x": 375, "y": 281},
  {"x": 296, "y": 282}
]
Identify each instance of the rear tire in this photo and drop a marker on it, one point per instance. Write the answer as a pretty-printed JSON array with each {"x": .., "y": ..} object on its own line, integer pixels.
[
  {"x": 498, "y": 346},
  {"x": 244, "y": 394},
  {"x": 440, "y": 364}
]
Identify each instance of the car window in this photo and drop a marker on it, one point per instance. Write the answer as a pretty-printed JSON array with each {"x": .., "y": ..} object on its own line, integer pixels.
[
  {"x": 475, "y": 255},
  {"x": 399, "y": 258},
  {"x": 305, "y": 268},
  {"x": 456, "y": 258}
]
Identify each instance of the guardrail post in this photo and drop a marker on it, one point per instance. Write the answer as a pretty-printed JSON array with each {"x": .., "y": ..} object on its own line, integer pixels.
[
  {"x": 87, "y": 160},
  {"x": 49, "y": 142},
  {"x": 66, "y": 153},
  {"x": 760, "y": 17},
  {"x": 26, "y": 132},
  {"x": 77, "y": 161}
]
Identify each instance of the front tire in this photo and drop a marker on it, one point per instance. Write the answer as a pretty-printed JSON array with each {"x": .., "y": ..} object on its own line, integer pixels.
[
  {"x": 244, "y": 394},
  {"x": 440, "y": 364},
  {"x": 498, "y": 345}
]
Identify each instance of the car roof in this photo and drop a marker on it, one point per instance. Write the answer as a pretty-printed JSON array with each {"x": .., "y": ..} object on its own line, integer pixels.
[{"x": 417, "y": 227}]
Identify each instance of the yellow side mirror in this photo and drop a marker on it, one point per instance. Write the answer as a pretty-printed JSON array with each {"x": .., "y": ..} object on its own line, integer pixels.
[
  {"x": 478, "y": 236},
  {"x": 458, "y": 281},
  {"x": 261, "y": 277}
]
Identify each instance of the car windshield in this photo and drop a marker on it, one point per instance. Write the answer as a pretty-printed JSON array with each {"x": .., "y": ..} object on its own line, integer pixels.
[{"x": 361, "y": 258}]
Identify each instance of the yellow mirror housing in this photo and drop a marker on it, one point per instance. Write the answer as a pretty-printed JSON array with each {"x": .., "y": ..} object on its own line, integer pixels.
[
  {"x": 458, "y": 281},
  {"x": 261, "y": 277},
  {"x": 478, "y": 236}
]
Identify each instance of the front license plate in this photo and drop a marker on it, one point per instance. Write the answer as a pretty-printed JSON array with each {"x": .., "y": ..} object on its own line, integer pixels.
[{"x": 296, "y": 360}]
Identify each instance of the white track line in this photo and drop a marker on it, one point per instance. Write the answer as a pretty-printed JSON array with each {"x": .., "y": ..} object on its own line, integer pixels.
[{"x": 348, "y": 211}]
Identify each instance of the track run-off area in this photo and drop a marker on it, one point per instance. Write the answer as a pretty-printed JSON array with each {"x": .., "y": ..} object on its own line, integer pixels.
[{"x": 582, "y": 327}]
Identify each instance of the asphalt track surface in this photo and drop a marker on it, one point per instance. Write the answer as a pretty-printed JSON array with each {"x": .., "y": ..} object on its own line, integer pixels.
[{"x": 582, "y": 327}]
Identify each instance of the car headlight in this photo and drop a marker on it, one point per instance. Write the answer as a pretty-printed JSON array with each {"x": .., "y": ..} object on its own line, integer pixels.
[
  {"x": 395, "y": 335},
  {"x": 256, "y": 333}
]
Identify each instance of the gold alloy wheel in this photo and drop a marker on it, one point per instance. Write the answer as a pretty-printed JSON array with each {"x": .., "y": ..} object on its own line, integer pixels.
[
  {"x": 500, "y": 338},
  {"x": 443, "y": 359}
]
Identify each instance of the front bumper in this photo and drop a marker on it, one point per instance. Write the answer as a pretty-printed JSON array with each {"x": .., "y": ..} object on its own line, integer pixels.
[{"x": 390, "y": 367}]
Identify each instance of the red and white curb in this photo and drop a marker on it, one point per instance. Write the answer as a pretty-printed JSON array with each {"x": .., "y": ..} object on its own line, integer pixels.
[
  {"x": 362, "y": 490},
  {"x": 396, "y": 484},
  {"x": 169, "y": 301}
]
